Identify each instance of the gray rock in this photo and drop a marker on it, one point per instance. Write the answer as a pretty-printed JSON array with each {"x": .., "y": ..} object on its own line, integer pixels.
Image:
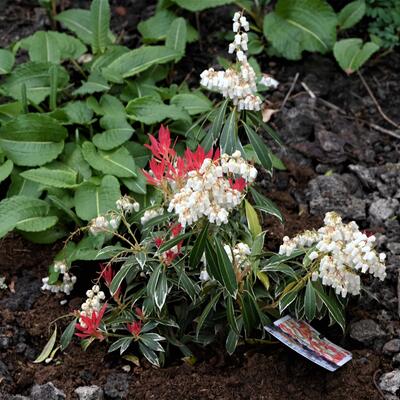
[
  {"x": 392, "y": 346},
  {"x": 390, "y": 382},
  {"x": 89, "y": 393},
  {"x": 396, "y": 359},
  {"x": 336, "y": 193},
  {"x": 382, "y": 209},
  {"x": 47, "y": 391},
  {"x": 18, "y": 397},
  {"x": 365, "y": 175},
  {"x": 117, "y": 386},
  {"x": 394, "y": 247},
  {"x": 4, "y": 373},
  {"x": 366, "y": 331}
]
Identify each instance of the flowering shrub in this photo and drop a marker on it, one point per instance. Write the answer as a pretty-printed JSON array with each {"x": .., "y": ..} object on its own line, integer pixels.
[{"x": 190, "y": 269}]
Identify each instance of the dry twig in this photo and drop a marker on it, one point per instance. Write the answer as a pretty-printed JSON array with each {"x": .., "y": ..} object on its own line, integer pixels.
[{"x": 290, "y": 91}]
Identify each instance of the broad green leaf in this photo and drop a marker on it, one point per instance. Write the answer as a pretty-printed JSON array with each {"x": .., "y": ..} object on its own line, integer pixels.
[
  {"x": 228, "y": 139},
  {"x": 226, "y": 269},
  {"x": 196, "y": 5},
  {"x": 351, "y": 54},
  {"x": 151, "y": 110},
  {"x": 265, "y": 205},
  {"x": 117, "y": 131},
  {"x": 309, "y": 301},
  {"x": 351, "y": 14},
  {"x": 59, "y": 203},
  {"x": 252, "y": 220},
  {"x": 138, "y": 60},
  {"x": 48, "y": 348},
  {"x": 104, "y": 60},
  {"x": 198, "y": 248},
  {"x": 52, "y": 46},
  {"x": 92, "y": 200},
  {"x": 176, "y": 37},
  {"x": 136, "y": 185},
  {"x": 32, "y": 139},
  {"x": 140, "y": 153},
  {"x": 67, "y": 335},
  {"x": 20, "y": 186},
  {"x": 78, "y": 113},
  {"x": 19, "y": 209},
  {"x": 95, "y": 84},
  {"x": 9, "y": 111},
  {"x": 117, "y": 162},
  {"x": 156, "y": 27},
  {"x": 72, "y": 156},
  {"x": 100, "y": 22},
  {"x": 37, "y": 223},
  {"x": 192, "y": 103},
  {"x": 6, "y": 169},
  {"x": 260, "y": 148},
  {"x": 301, "y": 25},
  {"x": 7, "y": 60},
  {"x": 35, "y": 77},
  {"x": 59, "y": 178}
]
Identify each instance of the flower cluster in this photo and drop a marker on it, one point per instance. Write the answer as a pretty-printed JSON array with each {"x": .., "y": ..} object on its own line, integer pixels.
[
  {"x": 239, "y": 255},
  {"x": 168, "y": 256},
  {"x": 341, "y": 251},
  {"x": 199, "y": 184},
  {"x": 92, "y": 304},
  {"x": 239, "y": 83},
  {"x": 67, "y": 283},
  {"x": 150, "y": 214},
  {"x": 126, "y": 205}
]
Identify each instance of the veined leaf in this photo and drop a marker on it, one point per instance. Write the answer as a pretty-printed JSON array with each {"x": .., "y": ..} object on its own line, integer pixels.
[
  {"x": 60, "y": 178},
  {"x": 5, "y": 170},
  {"x": 298, "y": 25},
  {"x": 138, "y": 60},
  {"x": 7, "y": 60},
  {"x": 117, "y": 162},
  {"x": 136, "y": 185},
  {"x": 32, "y": 139},
  {"x": 176, "y": 37},
  {"x": 351, "y": 54},
  {"x": 48, "y": 348},
  {"x": 117, "y": 131},
  {"x": 351, "y": 14},
  {"x": 120, "y": 276},
  {"x": 92, "y": 201},
  {"x": 265, "y": 205},
  {"x": 35, "y": 77},
  {"x": 100, "y": 22},
  {"x": 95, "y": 84},
  {"x": 192, "y": 103},
  {"x": 196, "y": 5}
]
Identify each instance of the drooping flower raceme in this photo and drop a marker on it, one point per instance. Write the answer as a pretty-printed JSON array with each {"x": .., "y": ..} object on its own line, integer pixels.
[
  {"x": 199, "y": 184},
  {"x": 92, "y": 304},
  {"x": 239, "y": 83},
  {"x": 341, "y": 252},
  {"x": 67, "y": 282}
]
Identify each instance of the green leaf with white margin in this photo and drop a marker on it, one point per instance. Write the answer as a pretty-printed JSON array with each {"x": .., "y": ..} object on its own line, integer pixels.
[
  {"x": 176, "y": 37},
  {"x": 334, "y": 308},
  {"x": 265, "y": 205},
  {"x": 206, "y": 312},
  {"x": 160, "y": 294},
  {"x": 120, "y": 276},
  {"x": 228, "y": 138},
  {"x": 193, "y": 103},
  {"x": 198, "y": 248},
  {"x": 93, "y": 200},
  {"x": 36, "y": 78},
  {"x": 138, "y": 60},
  {"x": 23, "y": 211},
  {"x": 149, "y": 354},
  {"x": 226, "y": 269},
  {"x": 6, "y": 169},
  {"x": 301, "y": 25},
  {"x": 151, "y": 110},
  {"x": 52, "y": 46},
  {"x": 351, "y": 14},
  {"x": 95, "y": 84},
  {"x": 260, "y": 148},
  {"x": 351, "y": 54},
  {"x": 100, "y": 22},
  {"x": 252, "y": 220},
  {"x": 117, "y": 162},
  {"x": 117, "y": 132},
  {"x": 48, "y": 348},
  {"x": 32, "y": 139},
  {"x": 59, "y": 178},
  {"x": 309, "y": 302},
  {"x": 196, "y": 5},
  {"x": 7, "y": 60}
]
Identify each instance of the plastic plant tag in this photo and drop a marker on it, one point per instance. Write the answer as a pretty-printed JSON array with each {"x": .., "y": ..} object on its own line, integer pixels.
[{"x": 305, "y": 340}]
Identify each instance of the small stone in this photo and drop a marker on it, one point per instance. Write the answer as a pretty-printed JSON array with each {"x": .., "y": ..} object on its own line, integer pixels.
[
  {"x": 366, "y": 331},
  {"x": 117, "y": 386},
  {"x": 47, "y": 391},
  {"x": 18, "y": 397},
  {"x": 4, "y": 373},
  {"x": 390, "y": 382},
  {"x": 89, "y": 393},
  {"x": 392, "y": 346},
  {"x": 396, "y": 359},
  {"x": 383, "y": 209}
]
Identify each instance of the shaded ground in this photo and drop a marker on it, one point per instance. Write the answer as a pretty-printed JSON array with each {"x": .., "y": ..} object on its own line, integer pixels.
[{"x": 325, "y": 138}]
